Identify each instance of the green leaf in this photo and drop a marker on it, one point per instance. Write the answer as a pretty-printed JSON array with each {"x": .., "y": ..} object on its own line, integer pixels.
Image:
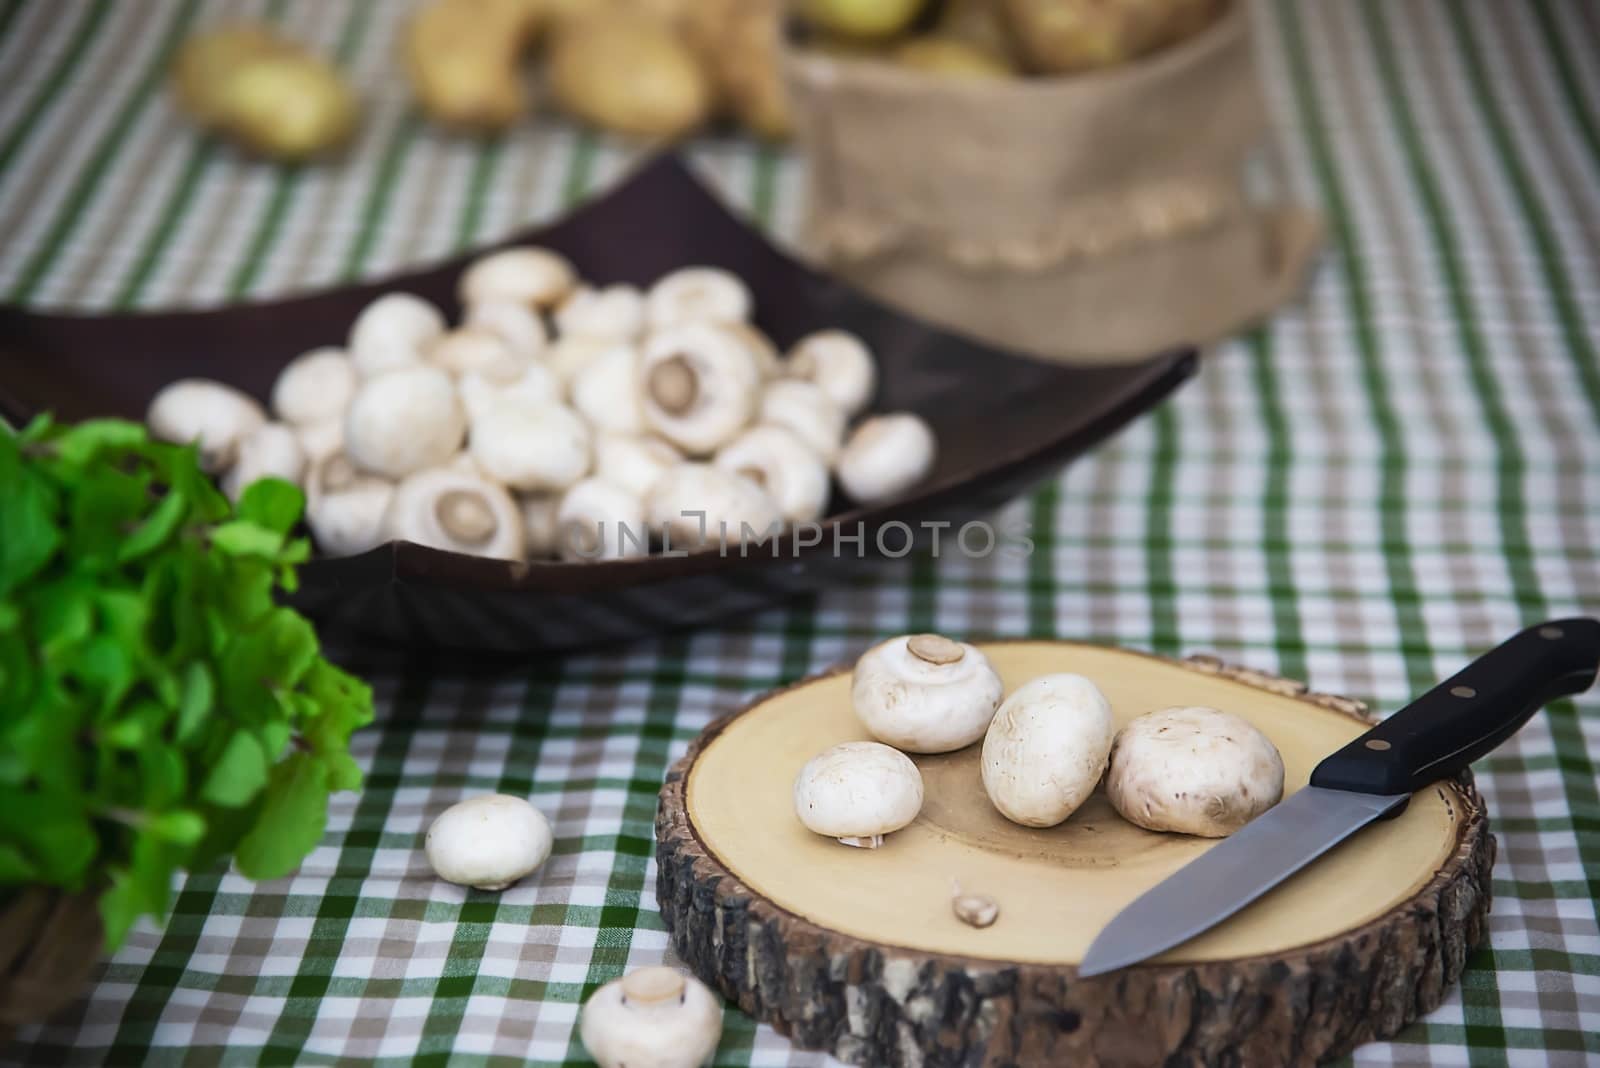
[
  {"x": 273, "y": 656},
  {"x": 52, "y": 830},
  {"x": 29, "y": 536},
  {"x": 344, "y": 703},
  {"x": 120, "y": 907},
  {"x": 196, "y": 701},
  {"x": 272, "y": 503},
  {"x": 105, "y": 666},
  {"x": 291, "y": 823},
  {"x": 179, "y": 826},
  {"x": 164, "y": 774},
  {"x": 62, "y": 612},
  {"x": 80, "y": 445},
  {"x": 238, "y": 774},
  {"x": 15, "y": 868},
  {"x": 245, "y": 538},
  {"x": 157, "y": 530}
]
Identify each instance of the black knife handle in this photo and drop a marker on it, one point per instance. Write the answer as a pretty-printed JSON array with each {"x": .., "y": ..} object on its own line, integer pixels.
[{"x": 1468, "y": 714}]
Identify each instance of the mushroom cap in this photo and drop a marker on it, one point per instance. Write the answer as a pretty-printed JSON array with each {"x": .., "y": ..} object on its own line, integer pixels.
[
  {"x": 858, "y": 790},
  {"x": 698, "y": 295},
  {"x": 531, "y": 447},
  {"x": 804, "y": 408},
  {"x": 1046, "y": 749},
  {"x": 404, "y": 421},
  {"x": 488, "y": 842},
  {"x": 478, "y": 350},
  {"x": 272, "y": 451},
  {"x": 885, "y": 456},
  {"x": 455, "y": 509},
  {"x": 840, "y": 363},
  {"x": 516, "y": 324},
  {"x": 606, "y": 391},
  {"x": 531, "y": 276},
  {"x": 925, "y": 693},
  {"x": 541, "y": 536},
  {"x": 634, "y": 462},
  {"x": 616, "y": 312},
  {"x": 315, "y": 386},
  {"x": 775, "y": 458},
  {"x": 321, "y": 439},
  {"x": 533, "y": 385},
  {"x": 695, "y": 505},
  {"x": 699, "y": 385},
  {"x": 393, "y": 331},
  {"x": 569, "y": 354},
  {"x": 653, "y": 1017},
  {"x": 1195, "y": 770},
  {"x": 211, "y": 415},
  {"x": 345, "y": 507},
  {"x": 599, "y": 521},
  {"x": 765, "y": 353}
]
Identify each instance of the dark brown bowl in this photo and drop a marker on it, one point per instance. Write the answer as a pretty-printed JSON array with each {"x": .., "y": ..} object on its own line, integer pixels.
[{"x": 1004, "y": 423}]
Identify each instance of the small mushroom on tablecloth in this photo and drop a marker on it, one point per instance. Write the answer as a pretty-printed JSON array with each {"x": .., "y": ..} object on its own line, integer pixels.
[
  {"x": 1046, "y": 749},
  {"x": 885, "y": 456},
  {"x": 488, "y": 842},
  {"x": 394, "y": 331},
  {"x": 654, "y": 1017},
  {"x": 1195, "y": 770},
  {"x": 404, "y": 421},
  {"x": 925, "y": 693},
  {"x": 212, "y": 416},
  {"x": 858, "y": 792}
]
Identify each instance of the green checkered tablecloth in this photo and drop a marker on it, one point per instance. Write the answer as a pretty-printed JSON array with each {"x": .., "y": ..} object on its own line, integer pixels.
[{"x": 1393, "y": 475}]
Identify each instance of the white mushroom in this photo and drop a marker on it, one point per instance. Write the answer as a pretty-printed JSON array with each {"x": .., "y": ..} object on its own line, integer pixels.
[
  {"x": 699, "y": 386},
  {"x": 476, "y": 350},
  {"x": 614, "y": 312},
  {"x": 925, "y": 693},
  {"x": 776, "y": 459},
  {"x": 272, "y": 451},
  {"x": 345, "y": 508},
  {"x": 541, "y": 536},
  {"x": 840, "y": 363},
  {"x": 1193, "y": 770},
  {"x": 695, "y": 505},
  {"x": 321, "y": 439},
  {"x": 599, "y": 521},
  {"x": 858, "y": 792},
  {"x": 213, "y": 416},
  {"x": 698, "y": 294},
  {"x": 488, "y": 842},
  {"x": 635, "y": 463},
  {"x": 458, "y": 510},
  {"x": 885, "y": 456},
  {"x": 533, "y": 385},
  {"x": 570, "y": 354},
  {"x": 536, "y": 277},
  {"x": 805, "y": 409},
  {"x": 652, "y": 1017},
  {"x": 974, "y": 910},
  {"x": 393, "y": 331},
  {"x": 1046, "y": 749},
  {"x": 314, "y": 387},
  {"x": 768, "y": 362},
  {"x": 404, "y": 421},
  {"x": 606, "y": 391},
  {"x": 531, "y": 447},
  {"x": 516, "y": 324}
]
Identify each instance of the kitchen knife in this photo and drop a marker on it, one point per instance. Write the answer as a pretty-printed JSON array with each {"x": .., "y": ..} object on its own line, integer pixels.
[{"x": 1432, "y": 738}]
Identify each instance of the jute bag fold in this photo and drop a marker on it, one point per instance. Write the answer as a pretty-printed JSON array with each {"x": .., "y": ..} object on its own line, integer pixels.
[{"x": 1092, "y": 217}]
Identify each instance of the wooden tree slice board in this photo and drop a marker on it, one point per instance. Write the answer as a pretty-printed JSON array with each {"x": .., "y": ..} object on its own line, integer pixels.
[{"x": 858, "y": 952}]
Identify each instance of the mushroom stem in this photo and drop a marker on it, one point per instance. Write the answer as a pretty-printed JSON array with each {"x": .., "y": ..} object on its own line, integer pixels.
[
  {"x": 934, "y": 649},
  {"x": 466, "y": 516},
  {"x": 862, "y": 841},
  {"x": 975, "y": 910},
  {"x": 673, "y": 385},
  {"x": 651, "y": 986}
]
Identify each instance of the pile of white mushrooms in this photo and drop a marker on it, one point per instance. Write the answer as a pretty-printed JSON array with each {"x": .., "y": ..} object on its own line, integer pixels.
[
  {"x": 560, "y": 419},
  {"x": 652, "y": 1017},
  {"x": 1046, "y": 747}
]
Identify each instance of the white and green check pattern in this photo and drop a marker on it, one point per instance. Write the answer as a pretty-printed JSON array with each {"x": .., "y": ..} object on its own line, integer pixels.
[{"x": 1394, "y": 475}]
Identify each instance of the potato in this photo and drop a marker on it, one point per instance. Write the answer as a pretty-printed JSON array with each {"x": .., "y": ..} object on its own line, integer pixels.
[
  {"x": 861, "y": 18},
  {"x": 206, "y": 59},
  {"x": 630, "y": 73},
  {"x": 462, "y": 60},
  {"x": 1059, "y": 36},
  {"x": 978, "y": 23},
  {"x": 738, "y": 41},
  {"x": 285, "y": 105},
  {"x": 948, "y": 57}
]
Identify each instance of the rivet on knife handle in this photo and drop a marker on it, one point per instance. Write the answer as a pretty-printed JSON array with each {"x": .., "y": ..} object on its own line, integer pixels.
[{"x": 1468, "y": 714}]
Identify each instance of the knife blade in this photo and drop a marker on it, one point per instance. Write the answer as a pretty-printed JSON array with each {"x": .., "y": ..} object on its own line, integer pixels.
[{"x": 1371, "y": 778}]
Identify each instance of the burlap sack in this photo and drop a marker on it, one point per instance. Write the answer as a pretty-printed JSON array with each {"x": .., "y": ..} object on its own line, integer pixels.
[{"x": 1090, "y": 217}]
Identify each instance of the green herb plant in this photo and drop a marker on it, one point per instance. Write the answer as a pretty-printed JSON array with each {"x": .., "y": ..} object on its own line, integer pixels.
[{"x": 158, "y": 708}]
